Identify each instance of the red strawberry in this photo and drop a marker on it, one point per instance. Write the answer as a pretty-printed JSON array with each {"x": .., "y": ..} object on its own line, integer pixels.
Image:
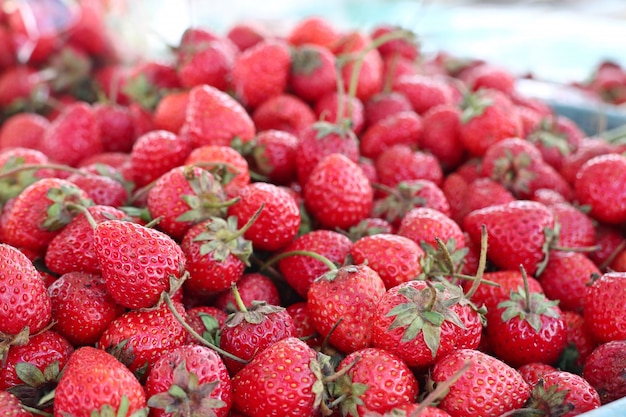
[
  {"x": 395, "y": 258},
  {"x": 329, "y": 108},
  {"x": 95, "y": 380},
  {"x": 337, "y": 193},
  {"x": 519, "y": 233},
  {"x": 587, "y": 149},
  {"x": 489, "y": 76},
  {"x": 252, "y": 287},
  {"x": 139, "y": 337},
  {"x": 17, "y": 85},
  {"x": 300, "y": 270},
  {"x": 283, "y": 112},
  {"x": 313, "y": 74},
  {"x": 488, "y": 388},
  {"x": 580, "y": 343},
  {"x": 441, "y": 135},
  {"x": 576, "y": 228},
  {"x": 422, "y": 225},
  {"x": 73, "y": 136},
  {"x": 258, "y": 393},
  {"x": 401, "y": 163},
  {"x": 598, "y": 185},
  {"x": 101, "y": 189},
  {"x": 261, "y": 72},
  {"x": 215, "y": 118},
  {"x": 23, "y": 130},
  {"x": 170, "y": 112},
  {"x": 399, "y": 128},
  {"x": 225, "y": 163},
  {"x": 563, "y": 393},
  {"x": 604, "y": 370},
  {"x": 196, "y": 371},
  {"x": 376, "y": 380},
  {"x": 313, "y": 30},
  {"x": 155, "y": 153},
  {"x": 274, "y": 156},
  {"x": 304, "y": 328},
  {"x": 507, "y": 281},
  {"x": 526, "y": 328},
  {"x": 117, "y": 127},
  {"x": 488, "y": 117},
  {"x": 609, "y": 242},
  {"x": 478, "y": 194},
  {"x": 342, "y": 305},
  {"x": 424, "y": 92},
  {"x": 603, "y": 307},
  {"x": 534, "y": 371},
  {"x": 208, "y": 63},
  {"x": 81, "y": 307},
  {"x": 279, "y": 219},
  {"x": 147, "y": 82},
  {"x": 407, "y": 409},
  {"x": 384, "y": 104},
  {"x": 556, "y": 137},
  {"x": 10, "y": 406},
  {"x": 136, "y": 262},
  {"x": 407, "y": 47},
  {"x": 247, "y": 34}
]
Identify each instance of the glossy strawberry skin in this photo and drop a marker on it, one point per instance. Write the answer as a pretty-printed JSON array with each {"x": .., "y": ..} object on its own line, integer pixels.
[
  {"x": 23, "y": 130},
  {"x": 441, "y": 135},
  {"x": 225, "y": 161},
  {"x": 312, "y": 73},
  {"x": 423, "y": 224},
  {"x": 11, "y": 406},
  {"x": 284, "y": 112},
  {"x": 252, "y": 286},
  {"x": 487, "y": 379},
  {"x": 508, "y": 280},
  {"x": 579, "y": 392},
  {"x": 604, "y": 370},
  {"x": 400, "y": 128},
  {"x": 93, "y": 378},
  {"x": 304, "y": 329},
  {"x": 603, "y": 307},
  {"x": 153, "y": 256},
  {"x": 400, "y": 163},
  {"x": 275, "y": 155}
]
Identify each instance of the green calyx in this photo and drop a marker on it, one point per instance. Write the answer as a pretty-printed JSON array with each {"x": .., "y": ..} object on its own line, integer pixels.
[
  {"x": 63, "y": 207},
  {"x": 474, "y": 105},
  {"x": 207, "y": 199},
  {"x": 37, "y": 385}
]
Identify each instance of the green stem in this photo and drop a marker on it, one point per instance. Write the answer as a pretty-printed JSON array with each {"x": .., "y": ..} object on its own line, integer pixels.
[
  {"x": 35, "y": 411},
  {"x": 440, "y": 391},
  {"x": 248, "y": 224},
  {"x": 84, "y": 210},
  {"x": 32, "y": 167},
  {"x": 240, "y": 304},
  {"x": 310, "y": 254},
  {"x": 482, "y": 262},
  {"x": 526, "y": 289}
]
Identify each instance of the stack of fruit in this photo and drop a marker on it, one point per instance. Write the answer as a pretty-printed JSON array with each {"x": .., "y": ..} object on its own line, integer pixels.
[{"x": 321, "y": 223}]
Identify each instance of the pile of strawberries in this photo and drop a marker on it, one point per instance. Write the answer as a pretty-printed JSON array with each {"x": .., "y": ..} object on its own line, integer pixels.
[{"x": 323, "y": 222}]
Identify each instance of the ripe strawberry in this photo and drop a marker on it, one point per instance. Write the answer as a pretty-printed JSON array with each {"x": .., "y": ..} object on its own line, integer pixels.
[
  {"x": 139, "y": 337},
  {"x": 337, "y": 194},
  {"x": 489, "y": 76},
  {"x": 376, "y": 380},
  {"x": 224, "y": 162},
  {"x": 73, "y": 136},
  {"x": 609, "y": 242},
  {"x": 489, "y": 387},
  {"x": 313, "y": 30},
  {"x": 580, "y": 343},
  {"x": 556, "y": 137},
  {"x": 384, "y": 104},
  {"x": 563, "y": 393},
  {"x": 312, "y": 74},
  {"x": 587, "y": 149},
  {"x": 422, "y": 225},
  {"x": 11, "y": 406},
  {"x": 424, "y": 92},
  {"x": 304, "y": 329},
  {"x": 215, "y": 118},
  {"x": 250, "y": 331},
  {"x": 300, "y": 270},
  {"x": 252, "y": 286},
  {"x": 247, "y": 34},
  {"x": 534, "y": 371},
  {"x": 399, "y": 128},
  {"x": 407, "y": 47},
  {"x": 395, "y": 258},
  {"x": 274, "y": 156},
  {"x": 279, "y": 219},
  {"x": 598, "y": 185},
  {"x": 342, "y": 305},
  {"x": 23, "y": 130},
  {"x": 576, "y": 228},
  {"x": 478, "y": 194},
  {"x": 95, "y": 380},
  {"x": 207, "y": 63},
  {"x": 407, "y": 409},
  {"x": 17, "y": 85},
  {"x": 155, "y": 153},
  {"x": 604, "y": 370},
  {"x": 519, "y": 233},
  {"x": 566, "y": 276},
  {"x": 420, "y": 322},
  {"x": 206, "y": 321},
  {"x": 603, "y": 307},
  {"x": 441, "y": 130},
  {"x": 507, "y": 281},
  {"x": 401, "y": 163},
  {"x": 116, "y": 125},
  {"x": 101, "y": 189},
  {"x": 488, "y": 117},
  {"x": 195, "y": 371},
  {"x": 136, "y": 262},
  {"x": 81, "y": 307},
  {"x": 283, "y": 112},
  {"x": 526, "y": 328},
  {"x": 261, "y": 72},
  {"x": 147, "y": 82},
  {"x": 170, "y": 112},
  {"x": 329, "y": 108},
  {"x": 258, "y": 393}
]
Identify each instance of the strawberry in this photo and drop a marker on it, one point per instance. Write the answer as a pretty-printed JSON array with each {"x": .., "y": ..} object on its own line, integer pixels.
[
  {"x": 197, "y": 372},
  {"x": 384, "y": 104},
  {"x": 312, "y": 74},
  {"x": 116, "y": 125},
  {"x": 261, "y": 72},
  {"x": 534, "y": 371},
  {"x": 148, "y": 81},
  {"x": 314, "y": 30},
  {"x": 17, "y": 85},
  {"x": 567, "y": 276},
  {"x": 252, "y": 287},
  {"x": 300, "y": 270},
  {"x": 508, "y": 281},
  {"x": 337, "y": 194},
  {"x": 407, "y": 47},
  {"x": 603, "y": 309},
  {"x": 478, "y": 194},
  {"x": 424, "y": 92},
  {"x": 283, "y": 112},
  {"x": 488, "y": 76},
  {"x": 139, "y": 337},
  {"x": 423, "y": 225},
  {"x": 598, "y": 185},
  {"x": 155, "y": 153},
  {"x": 342, "y": 110},
  {"x": 304, "y": 328},
  {"x": 556, "y": 137},
  {"x": 399, "y": 128},
  {"x": 101, "y": 189},
  {"x": 10, "y": 406},
  {"x": 206, "y": 321},
  {"x": 73, "y": 136},
  {"x": 563, "y": 393},
  {"x": 170, "y": 112},
  {"x": 609, "y": 243},
  {"x": 488, "y": 117},
  {"x": 274, "y": 156},
  {"x": 279, "y": 219},
  {"x": 526, "y": 328},
  {"x": 193, "y": 39},
  {"x": 580, "y": 343},
  {"x": 40, "y": 212},
  {"x": 23, "y": 130},
  {"x": 224, "y": 162},
  {"x": 208, "y": 63},
  {"x": 495, "y": 387},
  {"x": 604, "y": 370},
  {"x": 587, "y": 149},
  {"x": 342, "y": 305},
  {"x": 81, "y": 307},
  {"x": 246, "y": 34},
  {"x": 441, "y": 130},
  {"x": 258, "y": 393},
  {"x": 519, "y": 233},
  {"x": 401, "y": 163},
  {"x": 577, "y": 230},
  {"x": 376, "y": 380},
  {"x": 136, "y": 262},
  {"x": 420, "y": 322},
  {"x": 395, "y": 258},
  {"x": 249, "y": 331},
  {"x": 215, "y": 118},
  {"x": 94, "y": 380}
]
